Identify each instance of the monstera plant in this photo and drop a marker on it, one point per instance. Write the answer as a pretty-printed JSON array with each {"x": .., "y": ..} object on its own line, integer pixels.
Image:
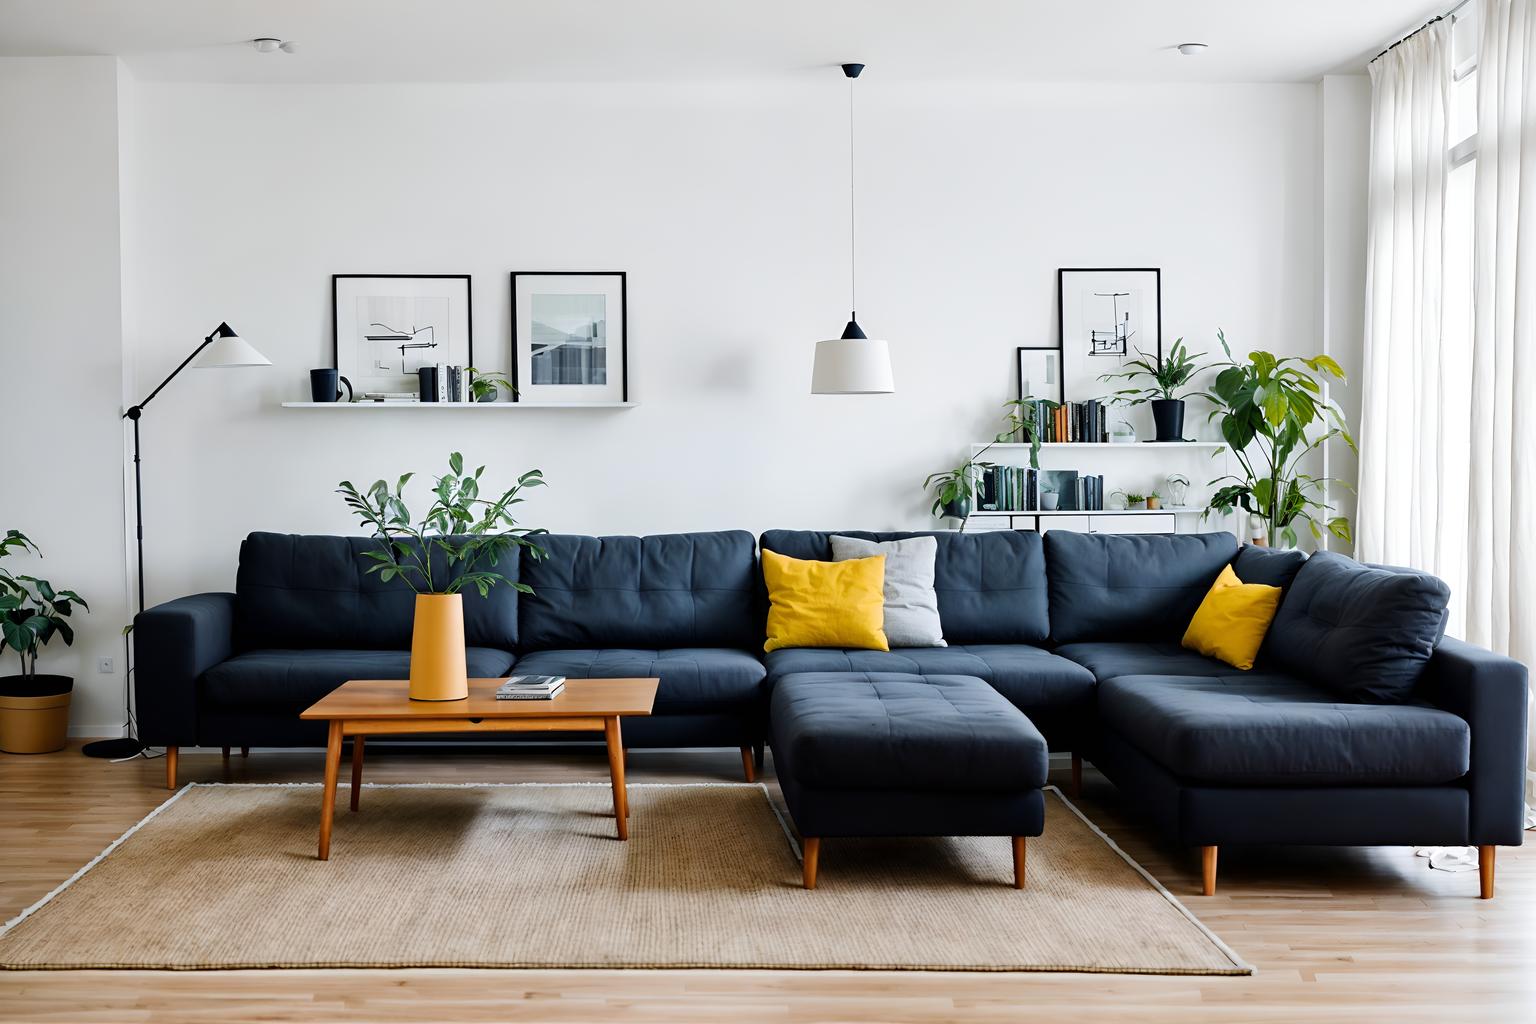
[{"x": 1273, "y": 413}]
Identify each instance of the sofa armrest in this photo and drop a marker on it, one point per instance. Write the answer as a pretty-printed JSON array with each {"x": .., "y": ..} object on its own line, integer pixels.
[
  {"x": 1489, "y": 691},
  {"x": 173, "y": 645}
]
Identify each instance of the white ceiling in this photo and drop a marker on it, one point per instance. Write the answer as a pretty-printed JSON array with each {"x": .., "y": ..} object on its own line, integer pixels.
[{"x": 660, "y": 40}]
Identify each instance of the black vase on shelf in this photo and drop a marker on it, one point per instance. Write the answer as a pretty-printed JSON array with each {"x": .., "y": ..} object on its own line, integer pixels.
[
  {"x": 1168, "y": 414},
  {"x": 960, "y": 508}
]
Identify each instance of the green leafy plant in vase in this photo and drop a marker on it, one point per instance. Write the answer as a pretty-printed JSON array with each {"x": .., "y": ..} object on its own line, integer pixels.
[
  {"x": 485, "y": 384},
  {"x": 1273, "y": 413},
  {"x": 456, "y": 545},
  {"x": 34, "y": 713},
  {"x": 1168, "y": 384}
]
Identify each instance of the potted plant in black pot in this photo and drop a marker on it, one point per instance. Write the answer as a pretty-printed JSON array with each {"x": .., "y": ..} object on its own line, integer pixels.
[
  {"x": 954, "y": 490},
  {"x": 34, "y": 709},
  {"x": 1168, "y": 381}
]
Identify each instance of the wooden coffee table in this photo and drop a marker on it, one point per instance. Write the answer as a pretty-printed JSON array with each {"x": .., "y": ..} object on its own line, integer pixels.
[{"x": 380, "y": 707}]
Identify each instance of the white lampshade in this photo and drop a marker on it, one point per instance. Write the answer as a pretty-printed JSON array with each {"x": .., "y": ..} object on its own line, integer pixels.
[
  {"x": 230, "y": 350},
  {"x": 852, "y": 366}
]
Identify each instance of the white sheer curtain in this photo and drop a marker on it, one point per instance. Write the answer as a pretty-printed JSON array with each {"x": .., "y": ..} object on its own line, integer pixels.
[
  {"x": 1501, "y": 583},
  {"x": 1413, "y": 463}
]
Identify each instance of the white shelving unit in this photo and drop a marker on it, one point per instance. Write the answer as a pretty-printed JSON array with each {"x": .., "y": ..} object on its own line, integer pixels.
[
  {"x": 1141, "y": 466},
  {"x": 460, "y": 406}
]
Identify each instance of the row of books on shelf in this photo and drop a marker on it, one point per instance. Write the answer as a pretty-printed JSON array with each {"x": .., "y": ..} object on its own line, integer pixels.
[
  {"x": 439, "y": 383},
  {"x": 1021, "y": 489},
  {"x": 1071, "y": 422}
]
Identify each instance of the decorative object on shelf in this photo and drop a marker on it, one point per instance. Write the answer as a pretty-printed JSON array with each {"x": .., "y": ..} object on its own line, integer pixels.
[
  {"x": 456, "y": 544},
  {"x": 853, "y": 364},
  {"x": 1178, "y": 488},
  {"x": 1040, "y": 372},
  {"x": 325, "y": 385},
  {"x": 485, "y": 384},
  {"x": 1169, "y": 383},
  {"x": 1103, "y": 316},
  {"x": 954, "y": 490},
  {"x": 385, "y": 327},
  {"x": 1276, "y": 407},
  {"x": 1121, "y": 432},
  {"x": 221, "y": 349},
  {"x": 1134, "y": 501},
  {"x": 570, "y": 337},
  {"x": 34, "y": 709},
  {"x": 1154, "y": 501}
]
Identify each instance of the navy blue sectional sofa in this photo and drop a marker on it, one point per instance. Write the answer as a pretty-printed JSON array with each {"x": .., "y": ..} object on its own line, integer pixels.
[{"x": 1359, "y": 725}]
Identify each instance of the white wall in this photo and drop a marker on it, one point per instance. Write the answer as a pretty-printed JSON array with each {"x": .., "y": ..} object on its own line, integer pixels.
[
  {"x": 727, "y": 206},
  {"x": 61, "y": 355}
]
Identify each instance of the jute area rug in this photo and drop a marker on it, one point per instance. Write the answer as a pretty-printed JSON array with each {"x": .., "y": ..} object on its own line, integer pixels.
[{"x": 530, "y": 875}]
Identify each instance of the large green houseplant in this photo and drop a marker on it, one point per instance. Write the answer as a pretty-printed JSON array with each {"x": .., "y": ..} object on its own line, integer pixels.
[
  {"x": 34, "y": 708},
  {"x": 456, "y": 545},
  {"x": 1273, "y": 413},
  {"x": 1167, "y": 385}
]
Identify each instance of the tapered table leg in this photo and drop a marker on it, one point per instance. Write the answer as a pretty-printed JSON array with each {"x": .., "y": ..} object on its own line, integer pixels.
[
  {"x": 616, "y": 774},
  {"x": 328, "y": 798},
  {"x": 170, "y": 767},
  {"x": 357, "y": 769}
]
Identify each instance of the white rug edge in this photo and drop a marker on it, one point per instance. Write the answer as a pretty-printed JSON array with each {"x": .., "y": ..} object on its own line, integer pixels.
[{"x": 784, "y": 825}]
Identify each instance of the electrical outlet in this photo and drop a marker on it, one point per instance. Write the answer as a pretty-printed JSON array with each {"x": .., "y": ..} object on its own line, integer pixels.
[{"x": 104, "y": 666}]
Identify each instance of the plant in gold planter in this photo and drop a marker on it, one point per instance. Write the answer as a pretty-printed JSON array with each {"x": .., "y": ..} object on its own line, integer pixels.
[
  {"x": 457, "y": 544},
  {"x": 34, "y": 709}
]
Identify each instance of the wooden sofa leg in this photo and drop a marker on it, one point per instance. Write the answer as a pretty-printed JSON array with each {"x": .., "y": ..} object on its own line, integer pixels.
[
  {"x": 810, "y": 850},
  {"x": 170, "y": 767},
  {"x": 1018, "y": 861},
  {"x": 748, "y": 765},
  {"x": 1208, "y": 870},
  {"x": 226, "y": 753},
  {"x": 245, "y": 751},
  {"x": 1077, "y": 776},
  {"x": 1485, "y": 871}
]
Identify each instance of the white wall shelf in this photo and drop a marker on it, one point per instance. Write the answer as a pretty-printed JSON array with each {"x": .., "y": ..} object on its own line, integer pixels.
[
  {"x": 1181, "y": 510},
  {"x": 460, "y": 406},
  {"x": 1107, "y": 445}
]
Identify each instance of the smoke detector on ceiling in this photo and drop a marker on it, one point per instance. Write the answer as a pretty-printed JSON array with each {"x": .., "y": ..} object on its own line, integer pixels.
[
  {"x": 1190, "y": 49},
  {"x": 266, "y": 44}
]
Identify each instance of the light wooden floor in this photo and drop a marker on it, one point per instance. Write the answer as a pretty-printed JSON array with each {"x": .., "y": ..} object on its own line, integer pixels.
[{"x": 1337, "y": 934}]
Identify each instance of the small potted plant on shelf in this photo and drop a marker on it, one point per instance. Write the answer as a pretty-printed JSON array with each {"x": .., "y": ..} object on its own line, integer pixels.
[
  {"x": 457, "y": 544},
  {"x": 1169, "y": 383},
  {"x": 1134, "y": 501},
  {"x": 1273, "y": 413},
  {"x": 34, "y": 708},
  {"x": 954, "y": 490},
  {"x": 485, "y": 384}
]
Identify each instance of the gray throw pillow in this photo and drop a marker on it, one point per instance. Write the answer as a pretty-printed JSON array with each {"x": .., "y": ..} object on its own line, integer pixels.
[{"x": 911, "y": 606}]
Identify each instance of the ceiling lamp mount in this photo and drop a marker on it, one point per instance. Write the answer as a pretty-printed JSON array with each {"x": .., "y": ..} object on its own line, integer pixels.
[
  {"x": 267, "y": 44},
  {"x": 853, "y": 364},
  {"x": 1190, "y": 49}
]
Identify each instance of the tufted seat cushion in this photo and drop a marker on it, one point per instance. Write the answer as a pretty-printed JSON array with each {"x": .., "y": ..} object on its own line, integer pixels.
[
  {"x": 1267, "y": 728},
  {"x": 896, "y": 731},
  {"x": 1029, "y": 677}
]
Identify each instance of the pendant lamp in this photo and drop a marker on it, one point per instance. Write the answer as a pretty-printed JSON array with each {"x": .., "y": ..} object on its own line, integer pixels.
[{"x": 853, "y": 364}]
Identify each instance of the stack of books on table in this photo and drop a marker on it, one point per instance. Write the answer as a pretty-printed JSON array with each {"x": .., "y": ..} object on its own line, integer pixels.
[{"x": 530, "y": 688}]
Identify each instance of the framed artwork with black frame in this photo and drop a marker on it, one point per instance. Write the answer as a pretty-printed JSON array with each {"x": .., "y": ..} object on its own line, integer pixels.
[
  {"x": 1040, "y": 372},
  {"x": 386, "y": 326},
  {"x": 1105, "y": 317},
  {"x": 570, "y": 336}
]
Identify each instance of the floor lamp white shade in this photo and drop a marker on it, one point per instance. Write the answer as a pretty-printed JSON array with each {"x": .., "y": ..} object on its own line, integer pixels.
[
  {"x": 230, "y": 350},
  {"x": 852, "y": 366}
]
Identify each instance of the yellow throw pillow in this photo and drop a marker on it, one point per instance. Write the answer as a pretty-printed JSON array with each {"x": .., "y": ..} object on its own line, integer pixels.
[
  {"x": 825, "y": 604},
  {"x": 1231, "y": 622}
]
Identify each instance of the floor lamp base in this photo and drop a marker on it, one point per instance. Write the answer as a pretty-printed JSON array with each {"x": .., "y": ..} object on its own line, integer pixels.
[{"x": 126, "y": 746}]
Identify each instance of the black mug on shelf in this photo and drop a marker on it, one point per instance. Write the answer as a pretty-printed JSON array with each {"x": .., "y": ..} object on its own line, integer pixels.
[{"x": 324, "y": 386}]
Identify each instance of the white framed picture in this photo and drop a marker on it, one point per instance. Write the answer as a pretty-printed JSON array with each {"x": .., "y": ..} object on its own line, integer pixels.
[
  {"x": 1040, "y": 372},
  {"x": 570, "y": 337},
  {"x": 388, "y": 326},
  {"x": 1105, "y": 317}
]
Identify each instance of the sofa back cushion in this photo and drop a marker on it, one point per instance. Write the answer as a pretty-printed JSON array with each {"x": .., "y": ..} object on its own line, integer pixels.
[
  {"x": 991, "y": 586},
  {"x": 1273, "y": 567},
  {"x": 675, "y": 590},
  {"x": 316, "y": 592},
  {"x": 1128, "y": 587},
  {"x": 1363, "y": 632}
]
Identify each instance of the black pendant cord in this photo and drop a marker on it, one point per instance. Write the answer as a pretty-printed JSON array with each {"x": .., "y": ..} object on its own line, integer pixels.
[{"x": 853, "y": 234}]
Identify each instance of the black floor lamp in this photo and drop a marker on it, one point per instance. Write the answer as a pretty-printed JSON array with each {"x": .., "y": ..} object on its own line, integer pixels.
[{"x": 221, "y": 349}]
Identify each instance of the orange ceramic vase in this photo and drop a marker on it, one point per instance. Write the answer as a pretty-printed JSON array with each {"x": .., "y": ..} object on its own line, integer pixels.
[{"x": 438, "y": 671}]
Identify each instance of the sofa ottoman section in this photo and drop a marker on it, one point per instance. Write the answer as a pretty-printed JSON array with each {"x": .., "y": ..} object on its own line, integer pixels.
[{"x": 898, "y": 754}]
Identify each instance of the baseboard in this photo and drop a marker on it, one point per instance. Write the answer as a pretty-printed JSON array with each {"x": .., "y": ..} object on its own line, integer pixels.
[{"x": 97, "y": 732}]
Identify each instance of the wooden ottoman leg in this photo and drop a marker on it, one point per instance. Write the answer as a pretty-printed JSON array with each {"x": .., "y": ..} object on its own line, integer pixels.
[
  {"x": 170, "y": 767},
  {"x": 1485, "y": 856},
  {"x": 1208, "y": 870},
  {"x": 748, "y": 765},
  {"x": 811, "y": 852},
  {"x": 1018, "y": 861}
]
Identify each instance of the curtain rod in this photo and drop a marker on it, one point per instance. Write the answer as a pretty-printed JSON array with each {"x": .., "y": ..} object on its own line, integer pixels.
[{"x": 1421, "y": 28}]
